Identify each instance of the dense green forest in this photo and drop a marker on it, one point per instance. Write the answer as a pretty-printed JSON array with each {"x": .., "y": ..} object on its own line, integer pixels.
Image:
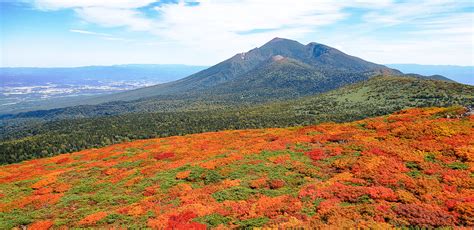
[{"x": 27, "y": 138}]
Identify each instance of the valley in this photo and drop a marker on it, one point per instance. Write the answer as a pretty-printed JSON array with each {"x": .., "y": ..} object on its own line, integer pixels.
[{"x": 27, "y": 89}]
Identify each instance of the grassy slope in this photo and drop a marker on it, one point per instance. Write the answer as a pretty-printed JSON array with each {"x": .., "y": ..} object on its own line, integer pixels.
[
  {"x": 378, "y": 96},
  {"x": 410, "y": 168},
  {"x": 375, "y": 97}
]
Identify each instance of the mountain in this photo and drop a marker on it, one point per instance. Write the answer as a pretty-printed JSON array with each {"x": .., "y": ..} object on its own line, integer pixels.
[
  {"x": 35, "y": 136},
  {"x": 462, "y": 74},
  {"x": 328, "y": 66},
  {"x": 411, "y": 169}
]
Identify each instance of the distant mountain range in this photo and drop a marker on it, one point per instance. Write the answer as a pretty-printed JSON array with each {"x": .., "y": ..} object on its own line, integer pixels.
[
  {"x": 461, "y": 74},
  {"x": 25, "y": 89},
  {"x": 26, "y": 76}
]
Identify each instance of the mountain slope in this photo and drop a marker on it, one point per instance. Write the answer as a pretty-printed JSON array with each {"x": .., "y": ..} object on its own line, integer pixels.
[
  {"x": 411, "y": 169},
  {"x": 327, "y": 61},
  {"x": 26, "y": 138}
]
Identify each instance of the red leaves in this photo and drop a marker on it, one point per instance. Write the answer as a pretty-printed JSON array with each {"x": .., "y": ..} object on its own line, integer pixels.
[
  {"x": 183, "y": 175},
  {"x": 63, "y": 160},
  {"x": 276, "y": 184},
  {"x": 316, "y": 154},
  {"x": 382, "y": 193},
  {"x": 425, "y": 215},
  {"x": 184, "y": 221},
  {"x": 165, "y": 155}
]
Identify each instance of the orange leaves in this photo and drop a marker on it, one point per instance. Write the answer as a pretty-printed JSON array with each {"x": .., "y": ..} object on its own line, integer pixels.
[
  {"x": 230, "y": 183},
  {"x": 92, "y": 218},
  {"x": 41, "y": 225},
  {"x": 258, "y": 183},
  {"x": 280, "y": 159},
  {"x": 39, "y": 201},
  {"x": 466, "y": 211},
  {"x": 44, "y": 182},
  {"x": 111, "y": 171},
  {"x": 183, "y": 175},
  {"x": 132, "y": 210},
  {"x": 277, "y": 206},
  {"x": 61, "y": 187}
]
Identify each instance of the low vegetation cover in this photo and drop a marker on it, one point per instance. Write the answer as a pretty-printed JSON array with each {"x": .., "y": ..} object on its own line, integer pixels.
[{"x": 411, "y": 168}]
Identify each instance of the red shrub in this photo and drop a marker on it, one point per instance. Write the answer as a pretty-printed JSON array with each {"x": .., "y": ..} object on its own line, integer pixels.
[
  {"x": 182, "y": 221},
  {"x": 382, "y": 193},
  {"x": 425, "y": 215},
  {"x": 276, "y": 184},
  {"x": 165, "y": 155},
  {"x": 315, "y": 154}
]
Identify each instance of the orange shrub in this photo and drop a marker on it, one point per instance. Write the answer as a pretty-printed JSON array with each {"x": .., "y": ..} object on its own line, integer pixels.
[{"x": 92, "y": 218}]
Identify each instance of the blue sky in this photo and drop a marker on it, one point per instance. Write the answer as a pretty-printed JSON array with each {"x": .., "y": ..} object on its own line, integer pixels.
[{"x": 91, "y": 32}]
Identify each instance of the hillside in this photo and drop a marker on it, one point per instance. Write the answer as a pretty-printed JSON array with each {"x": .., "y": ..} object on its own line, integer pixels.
[
  {"x": 411, "y": 168},
  {"x": 26, "y": 138}
]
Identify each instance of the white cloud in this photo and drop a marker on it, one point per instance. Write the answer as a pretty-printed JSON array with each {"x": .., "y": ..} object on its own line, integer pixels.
[
  {"x": 423, "y": 31},
  {"x": 101, "y": 35},
  {"x": 88, "y": 32},
  {"x": 118, "y": 4},
  {"x": 113, "y": 17}
]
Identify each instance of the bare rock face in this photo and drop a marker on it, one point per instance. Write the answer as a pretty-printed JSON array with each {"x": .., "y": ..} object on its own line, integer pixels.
[{"x": 277, "y": 58}]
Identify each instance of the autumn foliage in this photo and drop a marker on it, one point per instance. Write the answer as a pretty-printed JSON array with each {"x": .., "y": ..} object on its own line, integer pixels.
[{"x": 411, "y": 168}]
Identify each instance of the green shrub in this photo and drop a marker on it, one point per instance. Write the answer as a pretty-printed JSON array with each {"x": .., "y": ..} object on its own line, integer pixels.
[
  {"x": 254, "y": 222},
  {"x": 234, "y": 193},
  {"x": 458, "y": 165},
  {"x": 213, "y": 220}
]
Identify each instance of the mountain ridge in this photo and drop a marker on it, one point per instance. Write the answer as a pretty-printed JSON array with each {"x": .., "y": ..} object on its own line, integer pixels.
[{"x": 324, "y": 58}]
